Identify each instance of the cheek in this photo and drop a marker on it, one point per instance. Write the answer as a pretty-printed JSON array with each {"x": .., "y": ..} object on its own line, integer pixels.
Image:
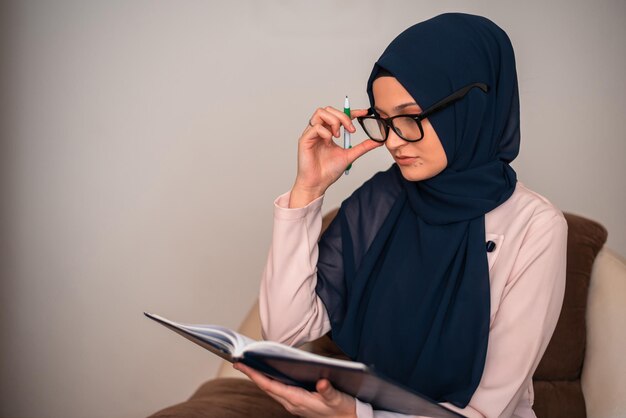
[
  {"x": 388, "y": 149},
  {"x": 437, "y": 159},
  {"x": 436, "y": 152}
]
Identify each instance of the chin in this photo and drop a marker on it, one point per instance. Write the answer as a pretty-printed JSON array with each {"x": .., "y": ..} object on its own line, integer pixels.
[{"x": 416, "y": 173}]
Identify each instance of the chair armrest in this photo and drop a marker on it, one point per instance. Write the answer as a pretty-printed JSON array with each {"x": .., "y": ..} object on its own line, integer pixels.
[{"x": 604, "y": 368}]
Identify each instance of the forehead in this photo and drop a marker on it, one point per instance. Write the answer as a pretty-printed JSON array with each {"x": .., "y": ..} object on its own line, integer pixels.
[{"x": 391, "y": 96}]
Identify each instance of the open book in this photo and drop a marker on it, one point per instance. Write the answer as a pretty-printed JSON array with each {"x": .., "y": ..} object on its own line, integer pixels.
[{"x": 301, "y": 368}]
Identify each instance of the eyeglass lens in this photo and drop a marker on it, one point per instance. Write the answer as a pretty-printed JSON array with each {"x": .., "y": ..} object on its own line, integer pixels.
[{"x": 405, "y": 127}]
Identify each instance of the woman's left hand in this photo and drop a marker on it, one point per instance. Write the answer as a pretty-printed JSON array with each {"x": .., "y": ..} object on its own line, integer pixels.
[{"x": 326, "y": 402}]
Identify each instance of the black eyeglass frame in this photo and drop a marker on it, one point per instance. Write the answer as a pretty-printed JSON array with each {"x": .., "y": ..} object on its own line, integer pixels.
[{"x": 388, "y": 122}]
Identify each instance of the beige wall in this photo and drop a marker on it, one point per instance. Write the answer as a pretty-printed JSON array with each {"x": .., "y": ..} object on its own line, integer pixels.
[{"x": 144, "y": 141}]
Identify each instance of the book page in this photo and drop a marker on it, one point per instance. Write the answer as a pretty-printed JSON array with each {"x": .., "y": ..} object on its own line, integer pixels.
[
  {"x": 215, "y": 332},
  {"x": 222, "y": 338},
  {"x": 273, "y": 348}
]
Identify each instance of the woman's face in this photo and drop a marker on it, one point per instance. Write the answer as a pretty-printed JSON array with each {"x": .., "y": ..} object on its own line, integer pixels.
[{"x": 419, "y": 160}]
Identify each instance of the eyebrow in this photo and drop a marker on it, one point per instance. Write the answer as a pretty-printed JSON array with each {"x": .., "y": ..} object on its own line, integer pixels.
[{"x": 398, "y": 107}]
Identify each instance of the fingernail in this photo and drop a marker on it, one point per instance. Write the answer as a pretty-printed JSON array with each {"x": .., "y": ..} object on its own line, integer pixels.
[{"x": 352, "y": 128}]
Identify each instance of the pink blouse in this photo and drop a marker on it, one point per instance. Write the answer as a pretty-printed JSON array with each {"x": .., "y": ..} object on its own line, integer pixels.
[{"x": 527, "y": 277}]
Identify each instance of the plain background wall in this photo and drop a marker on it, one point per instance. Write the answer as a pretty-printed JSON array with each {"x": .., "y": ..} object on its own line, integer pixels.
[{"x": 143, "y": 143}]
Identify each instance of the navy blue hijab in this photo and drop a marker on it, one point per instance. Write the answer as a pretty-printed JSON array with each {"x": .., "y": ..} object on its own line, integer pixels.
[{"x": 403, "y": 267}]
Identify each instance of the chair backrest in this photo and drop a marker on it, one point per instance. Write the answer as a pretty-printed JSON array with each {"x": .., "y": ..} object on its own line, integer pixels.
[{"x": 558, "y": 391}]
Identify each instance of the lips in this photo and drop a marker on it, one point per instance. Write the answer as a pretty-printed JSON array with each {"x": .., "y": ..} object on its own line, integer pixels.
[{"x": 405, "y": 160}]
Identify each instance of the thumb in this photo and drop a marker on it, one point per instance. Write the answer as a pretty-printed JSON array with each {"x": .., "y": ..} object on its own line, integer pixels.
[
  {"x": 358, "y": 150},
  {"x": 328, "y": 392}
]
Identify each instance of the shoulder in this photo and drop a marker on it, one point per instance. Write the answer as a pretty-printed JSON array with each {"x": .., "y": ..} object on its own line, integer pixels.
[
  {"x": 524, "y": 210},
  {"x": 531, "y": 236}
]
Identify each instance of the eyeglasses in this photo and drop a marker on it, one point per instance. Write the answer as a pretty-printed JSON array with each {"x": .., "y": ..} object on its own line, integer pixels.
[{"x": 409, "y": 127}]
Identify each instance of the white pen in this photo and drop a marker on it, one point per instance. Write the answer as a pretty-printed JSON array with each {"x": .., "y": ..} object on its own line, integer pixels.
[{"x": 346, "y": 133}]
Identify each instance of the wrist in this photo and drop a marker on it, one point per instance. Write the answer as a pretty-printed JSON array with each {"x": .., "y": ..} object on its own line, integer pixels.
[{"x": 301, "y": 196}]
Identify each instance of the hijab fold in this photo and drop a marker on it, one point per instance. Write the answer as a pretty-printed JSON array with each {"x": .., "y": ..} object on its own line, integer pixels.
[{"x": 403, "y": 268}]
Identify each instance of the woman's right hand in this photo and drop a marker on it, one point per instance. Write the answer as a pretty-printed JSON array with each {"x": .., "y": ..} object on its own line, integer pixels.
[{"x": 320, "y": 160}]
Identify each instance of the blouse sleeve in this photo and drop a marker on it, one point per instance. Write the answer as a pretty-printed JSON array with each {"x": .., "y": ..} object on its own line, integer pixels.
[{"x": 290, "y": 310}]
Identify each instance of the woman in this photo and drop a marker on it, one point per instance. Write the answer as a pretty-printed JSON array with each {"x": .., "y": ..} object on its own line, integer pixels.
[{"x": 444, "y": 271}]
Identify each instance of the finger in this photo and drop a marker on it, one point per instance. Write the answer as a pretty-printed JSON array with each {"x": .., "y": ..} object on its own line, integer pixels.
[
  {"x": 254, "y": 375},
  {"x": 316, "y": 131},
  {"x": 358, "y": 112},
  {"x": 325, "y": 116},
  {"x": 287, "y": 396},
  {"x": 320, "y": 131},
  {"x": 345, "y": 120},
  {"x": 270, "y": 386},
  {"x": 358, "y": 150}
]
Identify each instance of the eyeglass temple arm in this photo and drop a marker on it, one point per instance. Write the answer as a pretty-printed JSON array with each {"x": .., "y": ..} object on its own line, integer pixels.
[{"x": 453, "y": 98}]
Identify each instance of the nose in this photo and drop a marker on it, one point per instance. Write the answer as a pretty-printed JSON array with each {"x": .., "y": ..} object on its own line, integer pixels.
[{"x": 394, "y": 141}]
